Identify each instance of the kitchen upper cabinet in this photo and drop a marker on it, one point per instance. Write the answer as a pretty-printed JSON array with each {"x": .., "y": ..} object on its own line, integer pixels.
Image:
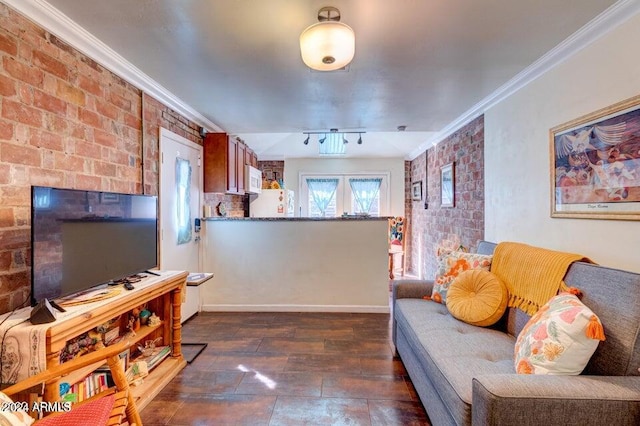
[
  {"x": 251, "y": 158},
  {"x": 221, "y": 161}
]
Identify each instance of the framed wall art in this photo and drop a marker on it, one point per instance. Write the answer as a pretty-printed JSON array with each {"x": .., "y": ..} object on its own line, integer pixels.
[
  {"x": 447, "y": 185},
  {"x": 595, "y": 164},
  {"x": 416, "y": 191}
]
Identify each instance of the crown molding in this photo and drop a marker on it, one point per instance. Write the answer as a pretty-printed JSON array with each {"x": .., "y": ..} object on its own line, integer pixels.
[
  {"x": 59, "y": 24},
  {"x": 66, "y": 29},
  {"x": 602, "y": 24}
]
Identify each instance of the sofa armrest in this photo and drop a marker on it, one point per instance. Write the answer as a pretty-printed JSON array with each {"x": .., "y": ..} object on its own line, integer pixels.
[
  {"x": 407, "y": 289},
  {"x": 514, "y": 399},
  {"x": 411, "y": 289}
]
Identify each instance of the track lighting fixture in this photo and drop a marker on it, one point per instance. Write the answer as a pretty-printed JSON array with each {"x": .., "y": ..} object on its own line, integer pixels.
[{"x": 332, "y": 142}]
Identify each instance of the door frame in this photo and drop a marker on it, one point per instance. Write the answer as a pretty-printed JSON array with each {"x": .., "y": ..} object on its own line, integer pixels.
[{"x": 168, "y": 134}]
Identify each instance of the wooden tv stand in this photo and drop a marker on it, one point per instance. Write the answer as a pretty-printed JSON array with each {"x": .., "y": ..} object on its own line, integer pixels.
[{"x": 162, "y": 295}]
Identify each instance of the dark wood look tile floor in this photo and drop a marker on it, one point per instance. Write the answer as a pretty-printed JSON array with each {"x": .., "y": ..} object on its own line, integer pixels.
[{"x": 289, "y": 369}]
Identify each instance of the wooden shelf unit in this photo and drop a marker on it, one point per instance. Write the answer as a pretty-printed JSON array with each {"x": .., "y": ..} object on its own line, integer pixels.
[{"x": 164, "y": 298}]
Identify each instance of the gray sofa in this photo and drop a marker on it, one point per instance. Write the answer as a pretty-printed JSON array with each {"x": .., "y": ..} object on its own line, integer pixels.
[{"x": 465, "y": 374}]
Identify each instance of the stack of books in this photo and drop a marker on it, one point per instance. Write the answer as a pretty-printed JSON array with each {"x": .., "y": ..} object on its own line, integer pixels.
[
  {"x": 141, "y": 365},
  {"x": 156, "y": 356},
  {"x": 92, "y": 385}
]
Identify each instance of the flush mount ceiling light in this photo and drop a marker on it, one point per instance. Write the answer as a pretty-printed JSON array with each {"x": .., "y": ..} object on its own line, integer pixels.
[{"x": 328, "y": 45}]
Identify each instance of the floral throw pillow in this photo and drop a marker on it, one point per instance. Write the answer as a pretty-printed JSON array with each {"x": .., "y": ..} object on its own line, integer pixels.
[
  {"x": 450, "y": 265},
  {"x": 558, "y": 339}
]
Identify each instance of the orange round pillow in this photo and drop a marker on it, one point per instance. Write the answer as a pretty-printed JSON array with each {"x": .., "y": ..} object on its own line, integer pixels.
[{"x": 477, "y": 297}]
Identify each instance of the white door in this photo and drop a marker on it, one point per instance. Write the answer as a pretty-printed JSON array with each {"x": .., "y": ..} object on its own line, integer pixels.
[{"x": 180, "y": 180}]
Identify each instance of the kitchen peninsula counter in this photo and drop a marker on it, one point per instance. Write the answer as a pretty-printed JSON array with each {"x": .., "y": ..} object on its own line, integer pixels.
[
  {"x": 297, "y": 219},
  {"x": 296, "y": 264}
]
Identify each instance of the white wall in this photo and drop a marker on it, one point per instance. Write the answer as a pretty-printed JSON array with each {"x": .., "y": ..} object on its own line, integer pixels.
[
  {"x": 394, "y": 166},
  {"x": 517, "y": 164},
  {"x": 296, "y": 265}
]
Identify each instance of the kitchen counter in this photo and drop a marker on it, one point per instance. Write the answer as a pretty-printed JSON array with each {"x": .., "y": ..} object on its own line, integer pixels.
[
  {"x": 296, "y": 264},
  {"x": 298, "y": 219}
]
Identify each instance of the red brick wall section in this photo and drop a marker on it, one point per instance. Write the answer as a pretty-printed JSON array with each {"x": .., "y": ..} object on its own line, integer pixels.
[
  {"x": 65, "y": 121},
  {"x": 465, "y": 221},
  {"x": 234, "y": 204},
  {"x": 271, "y": 170}
]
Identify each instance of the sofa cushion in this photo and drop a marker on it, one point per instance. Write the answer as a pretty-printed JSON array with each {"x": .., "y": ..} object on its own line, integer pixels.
[
  {"x": 451, "y": 351},
  {"x": 559, "y": 339},
  {"x": 614, "y": 296},
  {"x": 477, "y": 297},
  {"x": 450, "y": 265},
  {"x": 95, "y": 412}
]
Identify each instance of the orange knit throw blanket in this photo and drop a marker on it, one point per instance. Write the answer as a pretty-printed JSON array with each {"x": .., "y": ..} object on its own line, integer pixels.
[{"x": 532, "y": 275}]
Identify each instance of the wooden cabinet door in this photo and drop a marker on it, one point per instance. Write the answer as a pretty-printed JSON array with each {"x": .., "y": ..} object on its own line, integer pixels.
[
  {"x": 225, "y": 158},
  {"x": 215, "y": 162},
  {"x": 232, "y": 166},
  {"x": 241, "y": 152}
]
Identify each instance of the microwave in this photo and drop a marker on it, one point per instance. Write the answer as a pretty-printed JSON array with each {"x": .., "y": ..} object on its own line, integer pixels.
[{"x": 253, "y": 180}]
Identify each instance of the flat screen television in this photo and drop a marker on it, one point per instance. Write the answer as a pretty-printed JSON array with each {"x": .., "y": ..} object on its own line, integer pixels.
[{"x": 81, "y": 239}]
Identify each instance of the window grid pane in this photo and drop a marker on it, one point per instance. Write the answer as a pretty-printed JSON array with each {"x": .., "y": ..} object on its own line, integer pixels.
[
  {"x": 375, "y": 206},
  {"x": 314, "y": 211}
]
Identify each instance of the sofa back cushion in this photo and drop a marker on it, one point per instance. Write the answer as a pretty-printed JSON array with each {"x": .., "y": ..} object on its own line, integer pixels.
[
  {"x": 485, "y": 247},
  {"x": 614, "y": 296}
]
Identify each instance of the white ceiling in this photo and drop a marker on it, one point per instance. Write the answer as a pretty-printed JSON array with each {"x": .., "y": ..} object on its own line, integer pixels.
[{"x": 421, "y": 63}]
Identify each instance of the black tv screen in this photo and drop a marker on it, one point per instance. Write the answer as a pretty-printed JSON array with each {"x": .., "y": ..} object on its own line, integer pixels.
[{"x": 80, "y": 239}]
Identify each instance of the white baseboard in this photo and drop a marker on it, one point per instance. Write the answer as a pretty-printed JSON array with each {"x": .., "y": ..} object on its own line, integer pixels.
[{"x": 364, "y": 309}]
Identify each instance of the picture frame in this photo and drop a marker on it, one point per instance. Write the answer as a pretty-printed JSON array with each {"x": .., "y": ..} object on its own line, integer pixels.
[
  {"x": 595, "y": 164},
  {"x": 447, "y": 185},
  {"x": 109, "y": 198},
  {"x": 416, "y": 191}
]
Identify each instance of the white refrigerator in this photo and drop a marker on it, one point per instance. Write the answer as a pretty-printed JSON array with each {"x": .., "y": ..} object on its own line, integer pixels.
[{"x": 273, "y": 203}]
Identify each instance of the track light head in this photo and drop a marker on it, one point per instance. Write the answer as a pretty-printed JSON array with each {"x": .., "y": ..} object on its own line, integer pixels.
[{"x": 336, "y": 142}]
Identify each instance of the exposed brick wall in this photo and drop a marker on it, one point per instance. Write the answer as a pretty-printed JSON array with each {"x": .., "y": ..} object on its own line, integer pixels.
[
  {"x": 272, "y": 170},
  {"x": 234, "y": 204},
  {"x": 158, "y": 115},
  {"x": 65, "y": 121},
  {"x": 465, "y": 221}
]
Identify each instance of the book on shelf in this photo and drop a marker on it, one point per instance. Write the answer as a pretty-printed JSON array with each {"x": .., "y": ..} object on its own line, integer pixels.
[
  {"x": 91, "y": 385},
  {"x": 124, "y": 361},
  {"x": 155, "y": 357},
  {"x": 140, "y": 366}
]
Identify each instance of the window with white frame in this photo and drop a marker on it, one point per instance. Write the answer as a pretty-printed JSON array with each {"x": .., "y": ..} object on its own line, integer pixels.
[{"x": 331, "y": 195}]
